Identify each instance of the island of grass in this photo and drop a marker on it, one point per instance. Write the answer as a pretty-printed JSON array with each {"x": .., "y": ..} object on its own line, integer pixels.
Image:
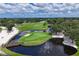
[{"x": 34, "y": 38}]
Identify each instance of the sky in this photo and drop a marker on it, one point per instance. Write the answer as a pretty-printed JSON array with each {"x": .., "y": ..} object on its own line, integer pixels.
[{"x": 38, "y": 10}]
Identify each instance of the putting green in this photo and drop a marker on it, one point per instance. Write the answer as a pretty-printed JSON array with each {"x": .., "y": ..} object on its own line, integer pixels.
[{"x": 34, "y": 38}]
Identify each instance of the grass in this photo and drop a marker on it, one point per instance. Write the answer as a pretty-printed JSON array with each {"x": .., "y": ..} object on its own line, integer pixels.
[
  {"x": 33, "y": 26},
  {"x": 35, "y": 38},
  {"x": 77, "y": 43},
  {"x": 77, "y": 53},
  {"x": 11, "y": 53}
]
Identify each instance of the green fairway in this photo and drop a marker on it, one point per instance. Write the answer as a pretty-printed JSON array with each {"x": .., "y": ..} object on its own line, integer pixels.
[
  {"x": 33, "y": 26},
  {"x": 34, "y": 38}
]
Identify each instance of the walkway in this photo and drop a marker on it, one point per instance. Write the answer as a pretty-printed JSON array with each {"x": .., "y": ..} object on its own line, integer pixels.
[
  {"x": 57, "y": 36},
  {"x": 69, "y": 42}
]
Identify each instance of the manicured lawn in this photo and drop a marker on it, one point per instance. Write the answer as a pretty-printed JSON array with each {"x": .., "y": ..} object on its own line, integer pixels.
[
  {"x": 35, "y": 38},
  {"x": 11, "y": 53},
  {"x": 77, "y": 43},
  {"x": 33, "y": 26}
]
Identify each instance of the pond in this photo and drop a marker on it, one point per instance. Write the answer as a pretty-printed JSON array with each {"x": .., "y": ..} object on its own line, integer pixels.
[{"x": 47, "y": 49}]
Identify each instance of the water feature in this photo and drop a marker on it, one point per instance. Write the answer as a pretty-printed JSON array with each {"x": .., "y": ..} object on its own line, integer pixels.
[{"x": 47, "y": 49}]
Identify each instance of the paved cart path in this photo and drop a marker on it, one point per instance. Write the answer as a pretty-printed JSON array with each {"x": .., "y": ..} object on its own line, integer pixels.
[{"x": 69, "y": 42}]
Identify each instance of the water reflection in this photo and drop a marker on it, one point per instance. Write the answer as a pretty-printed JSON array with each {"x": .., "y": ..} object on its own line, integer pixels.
[
  {"x": 50, "y": 49},
  {"x": 46, "y": 49}
]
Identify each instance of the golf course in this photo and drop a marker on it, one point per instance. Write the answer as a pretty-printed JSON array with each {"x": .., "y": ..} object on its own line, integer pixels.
[{"x": 38, "y": 37}]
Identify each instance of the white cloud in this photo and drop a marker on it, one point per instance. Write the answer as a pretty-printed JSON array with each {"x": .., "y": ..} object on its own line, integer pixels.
[
  {"x": 69, "y": 12},
  {"x": 49, "y": 7}
]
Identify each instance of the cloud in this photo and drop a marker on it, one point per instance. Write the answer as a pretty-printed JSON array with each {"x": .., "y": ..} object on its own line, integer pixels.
[{"x": 39, "y": 8}]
